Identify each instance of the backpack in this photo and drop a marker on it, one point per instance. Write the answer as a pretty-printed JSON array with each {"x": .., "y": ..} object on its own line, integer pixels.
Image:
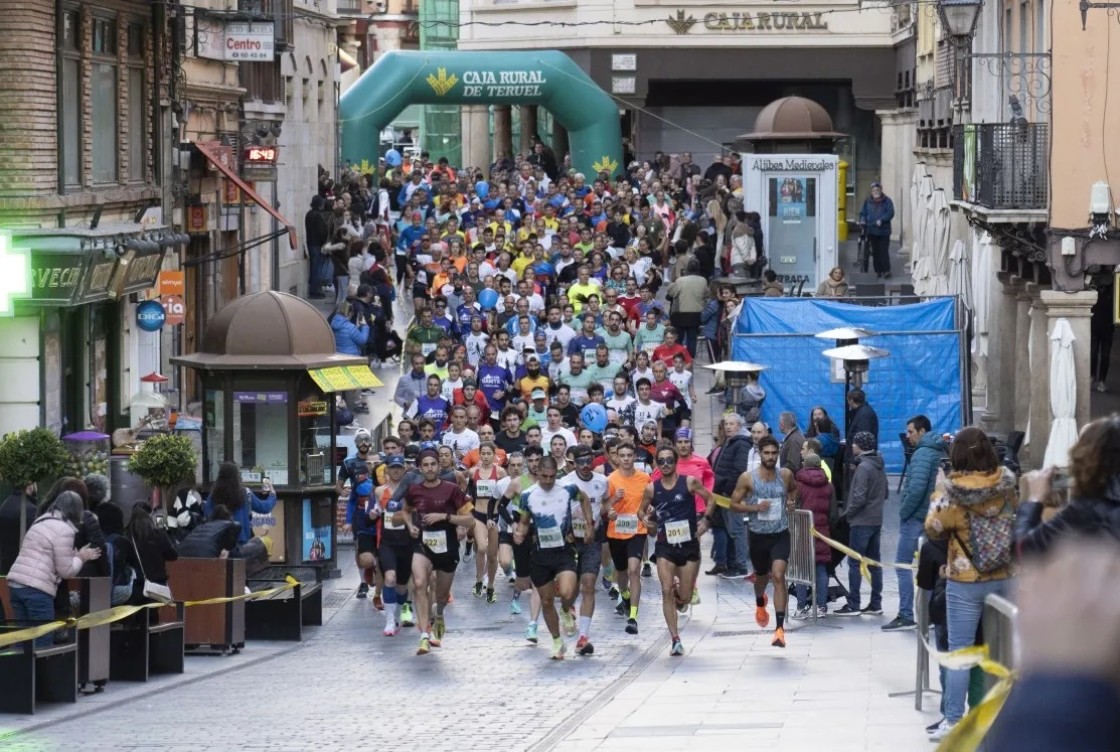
[
  {"x": 991, "y": 539},
  {"x": 120, "y": 573}
]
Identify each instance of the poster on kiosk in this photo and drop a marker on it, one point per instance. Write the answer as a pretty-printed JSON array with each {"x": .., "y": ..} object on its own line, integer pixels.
[{"x": 795, "y": 194}]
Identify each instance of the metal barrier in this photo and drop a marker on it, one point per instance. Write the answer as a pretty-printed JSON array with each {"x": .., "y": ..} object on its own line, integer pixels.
[
  {"x": 921, "y": 616},
  {"x": 802, "y": 568},
  {"x": 999, "y": 618}
]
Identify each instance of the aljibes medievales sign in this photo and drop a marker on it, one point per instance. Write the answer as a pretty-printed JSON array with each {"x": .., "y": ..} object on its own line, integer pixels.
[{"x": 682, "y": 22}]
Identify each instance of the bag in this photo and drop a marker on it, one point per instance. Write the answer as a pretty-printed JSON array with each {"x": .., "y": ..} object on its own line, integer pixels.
[
  {"x": 120, "y": 573},
  {"x": 743, "y": 250},
  {"x": 991, "y": 539},
  {"x": 152, "y": 590}
]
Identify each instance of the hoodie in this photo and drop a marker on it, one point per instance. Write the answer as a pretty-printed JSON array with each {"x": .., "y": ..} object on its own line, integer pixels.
[
  {"x": 921, "y": 476},
  {"x": 955, "y": 502},
  {"x": 869, "y": 491},
  {"x": 815, "y": 492},
  {"x": 348, "y": 338}
]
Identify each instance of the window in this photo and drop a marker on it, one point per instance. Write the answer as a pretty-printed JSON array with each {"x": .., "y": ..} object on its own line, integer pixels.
[
  {"x": 1040, "y": 26},
  {"x": 137, "y": 104},
  {"x": 103, "y": 101},
  {"x": 261, "y": 81},
  {"x": 70, "y": 99},
  {"x": 1024, "y": 26}
]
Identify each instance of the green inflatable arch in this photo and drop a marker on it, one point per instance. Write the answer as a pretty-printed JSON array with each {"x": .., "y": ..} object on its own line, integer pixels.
[{"x": 546, "y": 78}]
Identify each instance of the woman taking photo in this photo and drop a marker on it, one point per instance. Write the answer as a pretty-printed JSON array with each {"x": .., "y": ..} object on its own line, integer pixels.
[
  {"x": 153, "y": 549},
  {"x": 973, "y": 509},
  {"x": 240, "y": 501}
]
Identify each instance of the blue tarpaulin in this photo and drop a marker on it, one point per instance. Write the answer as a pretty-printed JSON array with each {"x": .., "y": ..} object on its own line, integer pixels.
[{"x": 922, "y": 376}]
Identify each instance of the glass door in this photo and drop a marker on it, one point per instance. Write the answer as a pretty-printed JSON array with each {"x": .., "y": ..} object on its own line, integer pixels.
[{"x": 792, "y": 235}]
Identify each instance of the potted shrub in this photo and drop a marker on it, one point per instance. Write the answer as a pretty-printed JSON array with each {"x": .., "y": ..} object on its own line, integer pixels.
[
  {"x": 165, "y": 462},
  {"x": 28, "y": 458}
]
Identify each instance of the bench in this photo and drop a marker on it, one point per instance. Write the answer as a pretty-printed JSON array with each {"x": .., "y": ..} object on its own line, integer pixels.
[
  {"x": 94, "y": 594},
  {"x": 32, "y": 674},
  {"x": 217, "y": 627},
  {"x": 283, "y": 615},
  {"x": 149, "y": 642}
]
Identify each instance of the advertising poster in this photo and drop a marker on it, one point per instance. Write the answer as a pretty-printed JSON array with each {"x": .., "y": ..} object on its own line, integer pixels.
[
  {"x": 316, "y": 540},
  {"x": 272, "y": 525},
  {"x": 791, "y": 200}
]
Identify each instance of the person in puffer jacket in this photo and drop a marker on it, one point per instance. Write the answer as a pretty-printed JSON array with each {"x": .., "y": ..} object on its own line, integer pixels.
[
  {"x": 47, "y": 556},
  {"x": 816, "y": 494}
]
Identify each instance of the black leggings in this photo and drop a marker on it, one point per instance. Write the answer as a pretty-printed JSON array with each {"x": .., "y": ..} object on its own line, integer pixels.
[
  {"x": 1100, "y": 352},
  {"x": 402, "y": 268}
]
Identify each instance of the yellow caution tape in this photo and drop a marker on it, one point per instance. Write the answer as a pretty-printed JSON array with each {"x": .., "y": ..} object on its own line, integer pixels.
[
  {"x": 865, "y": 563},
  {"x": 108, "y": 616},
  {"x": 722, "y": 501}
]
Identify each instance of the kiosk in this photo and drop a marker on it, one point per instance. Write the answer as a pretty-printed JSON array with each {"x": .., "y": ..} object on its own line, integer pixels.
[{"x": 269, "y": 374}]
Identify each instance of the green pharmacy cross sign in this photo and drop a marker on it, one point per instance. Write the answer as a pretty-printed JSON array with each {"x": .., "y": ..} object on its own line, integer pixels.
[{"x": 15, "y": 273}]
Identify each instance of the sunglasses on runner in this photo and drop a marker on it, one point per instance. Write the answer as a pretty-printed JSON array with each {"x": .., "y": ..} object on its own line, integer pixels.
[
  {"x": 583, "y": 461},
  {"x": 666, "y": 461}
]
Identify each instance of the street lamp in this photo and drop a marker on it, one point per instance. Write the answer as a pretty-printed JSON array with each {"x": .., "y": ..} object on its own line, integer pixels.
[
  {"x": 848, "y": 337},
  {"x": 958, "y": 19}
]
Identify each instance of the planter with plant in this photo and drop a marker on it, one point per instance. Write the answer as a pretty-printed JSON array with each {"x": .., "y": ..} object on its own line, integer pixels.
[
  {"x": 165, "y": 462},
  {"x": 31, "y": 457}
]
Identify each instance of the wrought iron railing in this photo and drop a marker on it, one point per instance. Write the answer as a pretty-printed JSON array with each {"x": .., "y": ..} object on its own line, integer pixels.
[{"x": 1002, "y": 165}]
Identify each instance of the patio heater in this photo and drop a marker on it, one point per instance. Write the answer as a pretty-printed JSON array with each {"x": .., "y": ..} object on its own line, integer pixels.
[
  {"x": 845, "y": 337},
  {"x": 736, "y": 375}
]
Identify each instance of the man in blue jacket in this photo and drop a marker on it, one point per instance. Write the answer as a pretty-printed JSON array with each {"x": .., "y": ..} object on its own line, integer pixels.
[
  {"x": 917, "y": 486},
  {"x": 875, "y": 219}
]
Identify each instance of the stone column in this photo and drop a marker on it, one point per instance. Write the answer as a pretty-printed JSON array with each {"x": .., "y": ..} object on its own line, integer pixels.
[
  {"x": 896, "y": 170},
  {"x": 1020, "y": 363},
  {"x": 503, "y": 131},
  {"x": 1003, "y": 324},
  {"x": 1075, "y": 307},
  {"x": 1038, "y": 393},
  {"x": 476, "y": 136},
  {"x": 528, "y": 127}
]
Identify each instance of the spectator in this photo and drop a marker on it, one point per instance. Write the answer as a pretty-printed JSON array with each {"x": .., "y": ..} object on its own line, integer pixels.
[
  {"x": 875, "y": 217},
  {"x": 11, "y": 530},
  {"x": 861, "y": 419},
  {"x": 816, "y": 494},
  {"x": 240, "y": 501},
  {"x": 686, "y": 296},
  {"x": 974, "y": 510},
  {"x": 917, "y": 486},
  {"x": 789, "y": 456},
  {"x": 772, "y": 288},
  {"x": 316, "y": 235},
  {"x": 728, "y": 466},
  {"x": 864, "y": 513},
  {"x": 835, "y": 285},
  {"x": 152, "y": 547}
]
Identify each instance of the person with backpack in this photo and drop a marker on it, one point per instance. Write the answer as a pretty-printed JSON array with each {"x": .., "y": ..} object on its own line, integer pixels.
[
  {"x": 816, "y": 494},
  {"x": 974, "y": 510},
  {"x": 119, "y": 552}
]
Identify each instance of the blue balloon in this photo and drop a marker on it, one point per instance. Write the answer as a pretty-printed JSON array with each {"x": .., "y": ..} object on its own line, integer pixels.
[
  {"x": 594, "y": 417},
  {"x": 487, "y": 299},
  {"x": 393, "y": 158},
  {"x": 482, "y": 188},
  {"x": 543, "y": 268}
]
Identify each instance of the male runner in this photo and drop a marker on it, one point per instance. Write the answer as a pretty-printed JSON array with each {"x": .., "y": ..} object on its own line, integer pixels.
[
  {"x": 356, "y": 469},
  {"x": 626, "y": 535},
  {"x": 772, "y": 494},
  {"x": 670, "y": 504},
  {"x": 589, "y": 555},
  {"x": 394, "y": 551},
  {"x": 432, "y": 511},
  {"x": 520, "y": 551},
  {"x": 548, "y": 508}
]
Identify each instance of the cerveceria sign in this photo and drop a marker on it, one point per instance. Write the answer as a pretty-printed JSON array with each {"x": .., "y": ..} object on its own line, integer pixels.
[{"x": 683, "y": 22}]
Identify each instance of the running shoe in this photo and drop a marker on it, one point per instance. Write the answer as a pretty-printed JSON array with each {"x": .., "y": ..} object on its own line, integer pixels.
[
  {"x": 779, "y": 640},
  {"x": 822, "y": 611},
  {"x": 622, "y": 608},
  {"x": 761, "y": 615},
  {"x": 943, "y": 730},
  {"x": 425, "y": 646},
  {"x": 391, "y": 628},
  {"x": 802, "y": 613},
  {"x": 584, "y": 646},
  {"x": 846, "y": 610},
  {"x": 647, "y": 569},
  {"x": 378, "y": 603},
  {"x": 608, "y": 585},
  {"x": 531, "y": 632},
  {"x": 613, "y": 593},
  {"x": 558, "y": 648},
  {"x": 363, "y": 590},
  {"x": 677, "y": 649},
  {"x": 439, "y": 629},
  {"x": 477, "y": 590},
  {"x": 696, "y": 597},
  {"x": 682, "y": 608},
  {"x": 406, "y": 616},
  {"x": 568, "y": 621},
  {"x": 631, "y": 626},
  {"x": 933, "y": 726},
  {"x": 491, "y": 596},
  {"x": 515, "y": 604},
  {"x": 872, "y": 610}
]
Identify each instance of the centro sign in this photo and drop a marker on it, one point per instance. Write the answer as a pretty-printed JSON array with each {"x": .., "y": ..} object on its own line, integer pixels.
[{"x": 249, "y": 41}]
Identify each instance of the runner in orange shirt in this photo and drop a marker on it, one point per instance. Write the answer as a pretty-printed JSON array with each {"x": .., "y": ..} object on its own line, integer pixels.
[{"x": 626, "y": 535}]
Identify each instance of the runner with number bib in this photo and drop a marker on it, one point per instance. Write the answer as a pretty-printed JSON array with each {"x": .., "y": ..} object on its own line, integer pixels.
[
  {"x": 626, "y": 535},
  {"x": 589, "y": 556}
]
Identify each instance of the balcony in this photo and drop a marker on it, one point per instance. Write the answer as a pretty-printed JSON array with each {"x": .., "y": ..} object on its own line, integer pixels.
[{"x": 1001, "y": 166}]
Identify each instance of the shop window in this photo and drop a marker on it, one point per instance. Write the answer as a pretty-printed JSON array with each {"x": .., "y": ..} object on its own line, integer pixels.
[
  {"x": 214, "y": 421},
  {"x": 70, "y": 99},
  {"x": 260, "y": 436}
]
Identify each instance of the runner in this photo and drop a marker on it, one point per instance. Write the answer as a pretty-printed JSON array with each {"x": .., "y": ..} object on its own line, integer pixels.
[
  {"x": 626, "y": 534},
  {"x": 670, "y": 505},
  {"x": 547, "y": 508},
  {"x": 520, "y": 551},
  {"x": 589, "y": 555},
  {"x": 772, "y": 493},
  {"x": 356, "y": 469},
  {"x": 483, "y": 490},
  {"x": 394, "y": 550},
  {"x": 432, "y": 511}
]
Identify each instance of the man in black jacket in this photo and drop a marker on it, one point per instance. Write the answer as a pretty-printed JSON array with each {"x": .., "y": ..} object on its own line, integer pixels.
[
  {"x": 729, "y": 466},
  {"x": 11, "y": 532},
  {"x": 861, "y": 417},
  {"x": 317, "y": 234}
]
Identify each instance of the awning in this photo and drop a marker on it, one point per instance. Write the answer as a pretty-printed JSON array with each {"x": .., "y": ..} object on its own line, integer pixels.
[
  {"x": 210, "y": 150},
  {"x": 344, "y": 378}
]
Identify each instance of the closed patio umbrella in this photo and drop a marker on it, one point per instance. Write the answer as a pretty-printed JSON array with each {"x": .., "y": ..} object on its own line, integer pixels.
[{"x": 1063, "y": 396}]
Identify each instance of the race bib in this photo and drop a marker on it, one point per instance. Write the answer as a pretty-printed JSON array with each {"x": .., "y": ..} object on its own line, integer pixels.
[
  {"x": 617, "y": 357},
  {"x": 774, "y": 513},
  {"x": 626, "y": 524},
  {"x": 484, "y": 489},
  {"x": 435, "y": 541},
  {"x": 579, "y": 528},
  {"x": 677, "y": 532},
  {"x": 649, "y": 347},
  {"x": 578, "y": 395},
  {"x": 387, "y": 522},
  {"x": 428, "y": 348},
  {"x": 550, "y": 537}
]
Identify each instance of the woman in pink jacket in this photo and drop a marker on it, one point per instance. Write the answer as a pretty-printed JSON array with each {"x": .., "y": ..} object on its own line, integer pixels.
[{"x": 47, "y": 556}]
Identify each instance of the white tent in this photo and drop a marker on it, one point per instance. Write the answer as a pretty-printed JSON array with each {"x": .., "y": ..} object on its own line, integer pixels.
[
  {"x": 1063, "y": 396},
  {"x": 919, "y": 269},
  {"x": 960, "y": 274},
  {"x": 938, "y": 243}
]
